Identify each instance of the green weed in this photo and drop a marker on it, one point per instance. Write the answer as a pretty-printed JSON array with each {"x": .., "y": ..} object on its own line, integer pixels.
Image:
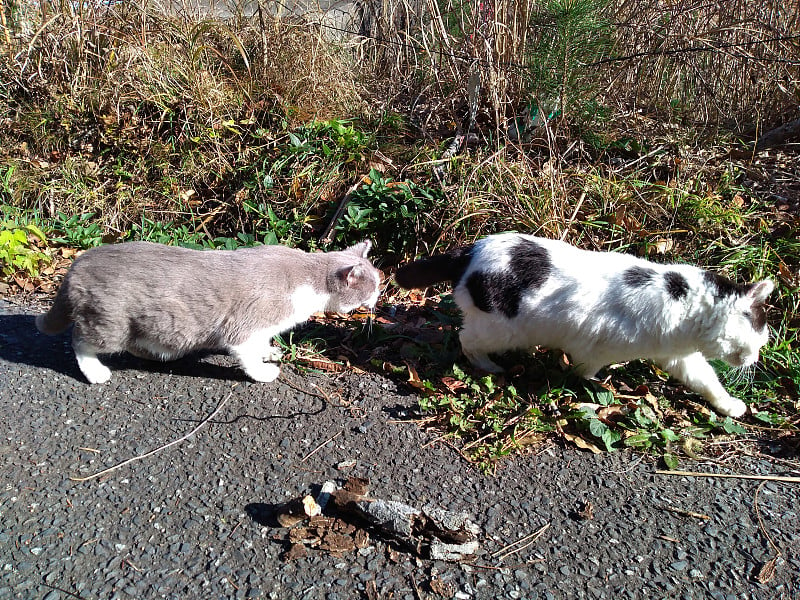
[
  {"x": 77, "y": 231},
  {"x": 18, "y": 252},
  {"x": 396, "y": 215}
]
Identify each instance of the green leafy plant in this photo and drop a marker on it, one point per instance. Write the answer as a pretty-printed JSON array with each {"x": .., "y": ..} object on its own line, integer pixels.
[
  {"x": 78, "y": 231},
  {"x": 17, "y": 252},
  {"x": 393, "y": 214}
]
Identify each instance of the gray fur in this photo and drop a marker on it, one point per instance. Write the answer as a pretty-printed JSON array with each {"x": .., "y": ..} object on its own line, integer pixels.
[{"x": 162, "y": 302}]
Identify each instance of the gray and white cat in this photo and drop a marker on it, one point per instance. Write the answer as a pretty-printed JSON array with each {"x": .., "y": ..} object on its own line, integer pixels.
[
  {"x": 161, "y": 302},
  {"x": 520, "y": 291}
]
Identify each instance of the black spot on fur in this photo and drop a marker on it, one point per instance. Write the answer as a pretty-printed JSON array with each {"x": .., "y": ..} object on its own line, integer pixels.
[
  {"x": 529, "y": 267},
  {"x": 638, "y": 276},
  {"x": 677, "y": 286},
  {"x": 722, "y": 286},
  {"x": 483, "y": 290}
]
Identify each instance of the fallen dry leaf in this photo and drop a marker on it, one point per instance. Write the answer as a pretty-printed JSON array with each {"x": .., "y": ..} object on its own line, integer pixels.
[
  {"x": 325, "y": 365},
  {"x": 357, "y": 485},
  {"x": 582, "y": 443},
  {"x": 767, "y": 571},
  {"x": 453, "y": 384},
  {"x": 443, "y": 588},
  {"x": 788, "y": 276},
  {"x": 294, "y": 552},
  {"x": 615, "y": 412},
  {"x": 413, "y": 378},
  {"x": 587, "y": 512}
]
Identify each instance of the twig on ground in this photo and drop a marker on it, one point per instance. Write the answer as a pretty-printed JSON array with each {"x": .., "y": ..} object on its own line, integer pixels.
[
  {"x": 526, "y": 541},
  {"x": 160, "y": 448},
  {"x": 686, "y": 513},
  {"x": 761, "y": 523},
  {"x": 767, "y": 571},
  {"x": 783, "y": 478},
  {"x": 318, "y": 448}
]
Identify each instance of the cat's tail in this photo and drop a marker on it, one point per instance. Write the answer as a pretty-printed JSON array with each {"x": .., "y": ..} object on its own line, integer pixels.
[
  {"x": 449, "y": 266},
  {"x": 59, "y": 317}
]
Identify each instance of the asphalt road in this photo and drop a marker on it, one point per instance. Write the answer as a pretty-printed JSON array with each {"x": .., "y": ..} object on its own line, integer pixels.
[{"x": 197, "y": 519}]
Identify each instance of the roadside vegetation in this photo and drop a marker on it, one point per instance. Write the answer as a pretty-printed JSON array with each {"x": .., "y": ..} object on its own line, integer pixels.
[{"x": 631, "y": 127}]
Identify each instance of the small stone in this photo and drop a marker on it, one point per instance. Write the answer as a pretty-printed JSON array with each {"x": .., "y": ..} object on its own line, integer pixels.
[{"x": 679, "y": 565}]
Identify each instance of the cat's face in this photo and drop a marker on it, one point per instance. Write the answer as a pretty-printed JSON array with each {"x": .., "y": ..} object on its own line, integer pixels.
[
  {"x": 354, "y": 282},
  {"x": 745, "y": 329}
]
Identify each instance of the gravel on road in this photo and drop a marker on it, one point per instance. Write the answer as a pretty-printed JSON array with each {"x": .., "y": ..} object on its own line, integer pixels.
[{"x": 197, "y": 520}]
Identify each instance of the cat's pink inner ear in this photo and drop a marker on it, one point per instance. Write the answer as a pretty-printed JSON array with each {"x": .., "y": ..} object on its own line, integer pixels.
[
  {"x": 761, "y": 290},
  {"x": 349, "y": 275},
  {"x": 353, "y": 275}
]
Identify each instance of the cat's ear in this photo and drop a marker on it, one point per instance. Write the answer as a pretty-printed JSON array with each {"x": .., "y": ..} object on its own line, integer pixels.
[
  {"x": 361, "y": 249},
  {"x": 350, "y": 275},
  {"x": 761, "y": 290}
]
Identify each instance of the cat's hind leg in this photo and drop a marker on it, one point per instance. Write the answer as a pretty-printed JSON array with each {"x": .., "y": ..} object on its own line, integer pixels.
[
  {"x": 252, "y": 353},
  {"x": 699, "y": 376},
  {"x": 89, "y": 364},
  {"x": 477, "y": 342}
]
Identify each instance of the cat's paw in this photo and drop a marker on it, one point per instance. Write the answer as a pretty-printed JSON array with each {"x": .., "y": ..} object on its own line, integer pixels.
[
  {"x": 482, "y": 361},
  {"x": 731, "y": 407},
  {"x": 264, "y": 373},
  {"x": 273, "y": 354},
  {"x": 96, "y": 372}
]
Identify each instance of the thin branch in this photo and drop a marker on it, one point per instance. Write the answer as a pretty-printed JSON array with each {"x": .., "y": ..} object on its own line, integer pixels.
[
  {"x": 318, "y": 448},
  {"x": 783, "y": 478},
  {"x": 160, "y": 448}
]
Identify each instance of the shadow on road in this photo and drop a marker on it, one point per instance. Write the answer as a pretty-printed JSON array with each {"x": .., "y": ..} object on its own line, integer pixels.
[{"x": 21, "y": 343}]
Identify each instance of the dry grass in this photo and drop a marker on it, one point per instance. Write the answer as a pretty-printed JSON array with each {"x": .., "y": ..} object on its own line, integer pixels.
[{"x": 126, "y": 111}]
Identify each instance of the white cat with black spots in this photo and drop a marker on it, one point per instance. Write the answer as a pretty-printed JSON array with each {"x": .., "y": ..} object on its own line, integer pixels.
[{"x": 519, "y": 291}]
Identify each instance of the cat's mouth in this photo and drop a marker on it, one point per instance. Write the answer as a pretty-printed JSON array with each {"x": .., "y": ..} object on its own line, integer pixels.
[{"x": 742, "y": 359}]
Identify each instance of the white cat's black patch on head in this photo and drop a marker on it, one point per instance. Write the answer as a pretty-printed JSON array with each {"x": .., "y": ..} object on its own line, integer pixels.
[
  {"x": 677, "y": 286},
  {"x": 529, "y": 267},
  {"x": 757, "y": 316},
  {"x": 638, "y": 276},
  {"x": 722, "y": 286}
]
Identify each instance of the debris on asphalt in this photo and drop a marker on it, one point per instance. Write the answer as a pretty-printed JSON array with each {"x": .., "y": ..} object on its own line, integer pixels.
[{"x": 346, "y": 523}]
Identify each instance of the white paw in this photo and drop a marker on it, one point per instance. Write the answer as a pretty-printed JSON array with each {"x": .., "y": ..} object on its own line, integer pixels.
[
  {"x": 731, "y": 407},
  {"x": 265, "y": 372},
  {"x": 482, "y": 361},
  {"x": 273, "y": 354},
  {"x": 95, "y": 371}
]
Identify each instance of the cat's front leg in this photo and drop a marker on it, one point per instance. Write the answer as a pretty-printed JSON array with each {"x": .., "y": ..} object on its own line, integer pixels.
[
  {"x": 699, "y": 376},
  {"x": 273, "y": 354},
  {"x": 253, "y": 353},
  {"x": 254, "y": 366}
]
